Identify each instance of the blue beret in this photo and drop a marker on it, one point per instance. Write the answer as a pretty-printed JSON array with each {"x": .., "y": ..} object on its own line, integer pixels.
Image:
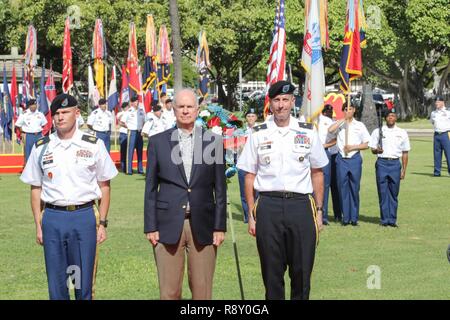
[
  {"x": 439, "y": 98},
  {"x": 61, "y": 101},
  {"x": 281, "y": 87}
]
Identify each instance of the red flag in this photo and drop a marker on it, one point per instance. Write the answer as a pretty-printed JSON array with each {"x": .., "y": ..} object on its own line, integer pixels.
[
  {"x": 50, "y": 93},
  {"x": 67, "y": 75},
  {"x": 132, "y": 62},
  {"x": 14, "y": 99}
]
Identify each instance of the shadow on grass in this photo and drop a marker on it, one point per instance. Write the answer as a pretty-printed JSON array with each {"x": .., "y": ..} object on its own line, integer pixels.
[
  {"x": 426, "y": 174},
  {"x": 374, "y": 220}
]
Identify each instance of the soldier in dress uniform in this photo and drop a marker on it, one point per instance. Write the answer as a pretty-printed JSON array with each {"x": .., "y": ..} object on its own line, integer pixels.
[
  {"x": 123, "y": 135},
  {"x": 283, "y": 159},
  {"x": 68, "y": 171},
  {"x": 154, "y": 123},
  {"x": 440, "y": 118},
  {"x": 134, "y": 119},
  {"x": 352, "y": 137},
  {"x": 30, "y": 123},
  {"x": 100, "y": 120},
  {"x": 390, "y": 145}
]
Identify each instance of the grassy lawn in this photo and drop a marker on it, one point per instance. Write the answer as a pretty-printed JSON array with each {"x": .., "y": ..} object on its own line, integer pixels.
[
  {"x": 412, "y": 259},
  {"x": 416, "y": 124}
]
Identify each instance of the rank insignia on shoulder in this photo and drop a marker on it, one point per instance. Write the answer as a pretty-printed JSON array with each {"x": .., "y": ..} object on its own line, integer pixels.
[
  {"x": 305, "y": 125},
  {"x": 260, "y": 127},
  {"x": 90, "y": 139},
  {"x": 42, "y": 141}
]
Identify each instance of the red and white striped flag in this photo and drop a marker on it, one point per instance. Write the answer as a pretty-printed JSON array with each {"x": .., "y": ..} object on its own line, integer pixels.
[{"x": 276, "y": 69}]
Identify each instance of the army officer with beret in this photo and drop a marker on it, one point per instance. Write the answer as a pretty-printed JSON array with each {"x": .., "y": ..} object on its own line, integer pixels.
[
  {"x": 283, "y": 159},
  {"x": 68, "y": 171}
]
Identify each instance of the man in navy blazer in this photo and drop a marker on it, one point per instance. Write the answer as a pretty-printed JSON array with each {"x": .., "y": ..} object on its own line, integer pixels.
[{"x": 185, "y": 201}]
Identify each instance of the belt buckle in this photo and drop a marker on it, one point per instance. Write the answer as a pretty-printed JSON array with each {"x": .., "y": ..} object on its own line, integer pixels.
[
  {"x": 287, "y": 195},
  {"x": 71, "y": 207}
]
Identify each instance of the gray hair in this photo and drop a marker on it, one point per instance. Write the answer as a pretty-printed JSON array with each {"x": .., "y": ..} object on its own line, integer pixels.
[{"x": 184, "y": 91}]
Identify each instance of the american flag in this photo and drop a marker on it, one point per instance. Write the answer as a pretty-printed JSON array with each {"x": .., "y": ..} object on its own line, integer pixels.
[{"x": 276, "y": 69}]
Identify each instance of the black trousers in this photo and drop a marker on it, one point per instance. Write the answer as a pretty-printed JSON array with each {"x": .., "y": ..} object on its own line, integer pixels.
[{"x": 286, "y": 236}]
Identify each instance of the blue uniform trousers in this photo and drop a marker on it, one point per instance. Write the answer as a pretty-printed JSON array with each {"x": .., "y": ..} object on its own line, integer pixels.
[
  {"x": 70, "y": 242},
  {"x": 349, "y": 178},
  {"x": 441, "y": 143},
  {"x": 326, "y": 189},
  {"x": 105, "y": 136},
  {"x": 134, "y": 141},
  {"x": 335, "y": 190},
  {"x": 388, "y": 186},
  {"x": 30, "y": 139},
  {"x": 123, "y": 151}
]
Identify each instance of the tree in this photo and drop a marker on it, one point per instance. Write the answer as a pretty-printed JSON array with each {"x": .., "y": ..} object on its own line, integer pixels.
[{"x": 176, "y": 41}]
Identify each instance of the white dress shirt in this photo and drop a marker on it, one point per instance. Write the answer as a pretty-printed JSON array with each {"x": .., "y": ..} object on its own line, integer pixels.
[
  {"x": 395, "y": 141},
  {"x": 440, "y": 120},
  {"x": 100, "y": 120},
  {"x": 68, "y": 170},
  {"x": 282, "y": 157},
  {"x": 168, "y": 118},
  {"x": 119, "y": 118},
  {"x": 153, "y": 125},
  {"x": 134, "y": 118},
  {"x": 357, "y": 134},
  {"x": 31, "y": 122}
]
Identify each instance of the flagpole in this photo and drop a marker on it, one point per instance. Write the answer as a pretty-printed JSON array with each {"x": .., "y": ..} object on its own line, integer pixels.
[{"x": 346, "y": 120}]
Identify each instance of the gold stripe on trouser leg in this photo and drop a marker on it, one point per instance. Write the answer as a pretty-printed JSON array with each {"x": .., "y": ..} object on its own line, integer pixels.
[
  {"x": 314, "y": 211},
  {"x": 255, "y": 206},
  {"x": 97, "y": 223},
  {"x": 128, "y": 148}
]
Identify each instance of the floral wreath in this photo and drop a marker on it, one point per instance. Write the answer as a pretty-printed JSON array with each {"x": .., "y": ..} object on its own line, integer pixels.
[{"x": 226, "y": 124}]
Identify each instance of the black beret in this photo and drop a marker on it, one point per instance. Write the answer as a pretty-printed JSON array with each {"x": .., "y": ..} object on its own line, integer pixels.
[
  {"x": 61, "y": 101},
  {"x": 134, "y": 98},
  {"x": 156, "y": 108},
  {"x": 281, "y": 87},
  {"x": 101, "y": 101},
  {"x": 327, "y": 107},
  {"x": 31, "y": 102},
  {"x": 388, "y": 111},
  {"x": 439, "y": 98},
  {"x": 250, "y": 111}
]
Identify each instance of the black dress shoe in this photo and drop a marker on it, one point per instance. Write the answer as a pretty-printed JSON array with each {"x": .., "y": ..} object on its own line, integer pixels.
[
  {"x": 355, "y": 224},
  {"x": 325, "y": 223},
  {"x": 345, "y": 224},
  {"x": 383, "y": 224},
  {"x": 436, "y": 175}
]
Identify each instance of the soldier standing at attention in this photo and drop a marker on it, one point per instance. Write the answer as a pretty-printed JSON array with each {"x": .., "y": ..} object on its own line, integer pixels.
[{"x": 68, "y": 171}]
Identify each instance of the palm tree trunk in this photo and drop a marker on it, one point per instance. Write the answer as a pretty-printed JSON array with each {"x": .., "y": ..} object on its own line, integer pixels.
[{"x": 176, "y": 42}]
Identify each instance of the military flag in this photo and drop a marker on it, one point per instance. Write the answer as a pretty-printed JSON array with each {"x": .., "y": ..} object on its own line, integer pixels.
[
  {"x": 99, "y": 54},
  {"x": 203, "y": 64},
  {"x": 30, "y": 60},
  {"x": 67, "y": 74},
  {"x": 312, "y": 62},
  {"x": 43, "y": 102},
  {"x": 354, "y": 39},
  {"x": 132, "y": 62},
  {"x": 113, "y": 95},
  {"x": 50, "y": 94},
  {"x": 93, "y": 95},
  {"x": 8, "y": 113},
  {"x": 276, "y": 65},
  {"x": 164, "y": 59},
  {"x": 125, "y": 89},
  {"x": 23, "y": 95},
  {"x": 15, "y": 102},
  {"x": 150, "y": 64}
]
